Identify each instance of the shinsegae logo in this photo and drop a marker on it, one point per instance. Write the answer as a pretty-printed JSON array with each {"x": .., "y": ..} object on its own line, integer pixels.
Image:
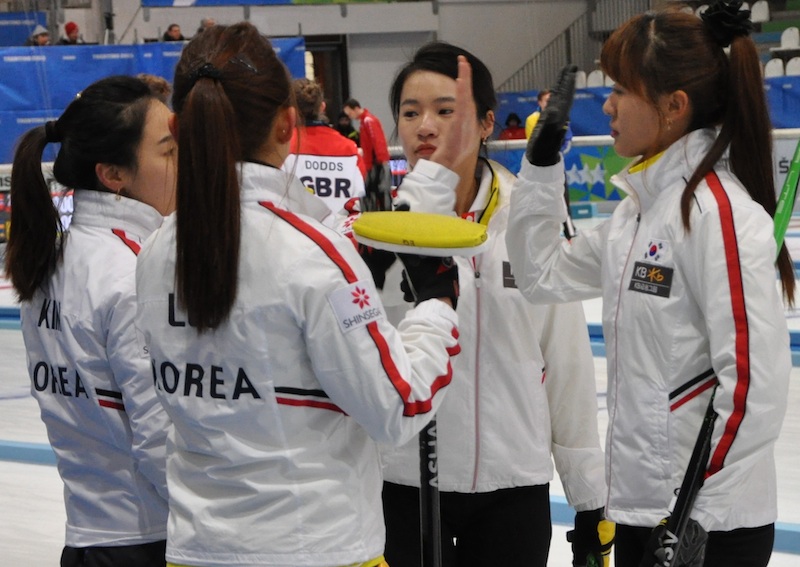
[
  {"x": 360, "y": 297},
  {"x": 354, "y": 305}
]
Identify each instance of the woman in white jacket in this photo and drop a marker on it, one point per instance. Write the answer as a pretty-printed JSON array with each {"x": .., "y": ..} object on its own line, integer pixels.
[
  {"x": 270, "y": 348},
  {"x": 523, "y": 391},
  {"x": 686, "y": 269},
  {"x": 89, "y": 374}
]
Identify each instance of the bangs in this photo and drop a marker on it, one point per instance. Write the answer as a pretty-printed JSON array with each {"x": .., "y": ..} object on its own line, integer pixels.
[{"x": 623, "y": 54}]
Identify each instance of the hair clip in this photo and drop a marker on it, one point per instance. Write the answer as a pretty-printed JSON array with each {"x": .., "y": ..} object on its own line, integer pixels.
[
  {"x": 207, "y": 70},
  {"x": 726, "y": 21}
]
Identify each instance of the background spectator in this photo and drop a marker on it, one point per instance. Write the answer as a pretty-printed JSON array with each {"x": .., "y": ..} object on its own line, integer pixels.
[
  {"x": 206, "y": 23},
  {"x": 373, "y": 140},
  {"x": 39, "y": 37},
  {"x": 513, "y": 129},
  {"x": 345, "y": 127},
  {"x": 72, "y": 35},
  {"x": 326, "y": 162},
  {"x": 173, "y": 33}
]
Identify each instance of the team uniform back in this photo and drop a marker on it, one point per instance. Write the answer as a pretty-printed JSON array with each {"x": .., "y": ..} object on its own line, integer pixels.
[
  {"x": 276, "y": 410},
  {"x": 328, "y": 164},
  {"x": 93, "y": 382}
]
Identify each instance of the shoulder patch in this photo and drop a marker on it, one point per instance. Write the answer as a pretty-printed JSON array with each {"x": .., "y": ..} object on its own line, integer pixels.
[{"x": 356, "y": 305}]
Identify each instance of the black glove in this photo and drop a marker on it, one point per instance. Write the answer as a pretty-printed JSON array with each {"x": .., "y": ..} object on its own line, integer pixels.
[
  {"x": 378, "y": 187},
  {"x": 663, "y": 551},
  {"x": 548, "y": 135},
  {"x": 429, "y": 277},
  {"x": 378, "y": 262},
  {"x": 591, "y": 539},
  {"x": 378, "y": 197}
]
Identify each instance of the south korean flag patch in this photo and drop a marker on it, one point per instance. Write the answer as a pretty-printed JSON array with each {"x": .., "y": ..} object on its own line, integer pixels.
[
  {"x": 658, "y": 252},
  {"x": 652, "y": 272},
  {"x": 356, "y": 305}
]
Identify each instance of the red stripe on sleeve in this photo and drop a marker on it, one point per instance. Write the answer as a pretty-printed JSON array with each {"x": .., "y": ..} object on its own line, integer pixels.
[
  {"x": 112, "y": 405},
  {"x": 310, "y": 404},
  {"x": 742, "y": 338},
  {"x": 401, "y": 385},
  {"x": 316, "y": 236},
  {"x": 134, "y": 246}
]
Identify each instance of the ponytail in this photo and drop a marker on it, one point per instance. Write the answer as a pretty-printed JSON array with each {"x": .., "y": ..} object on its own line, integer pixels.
[
  {"x": 34, "y": 240},
  {"x": 103, "y": 124},
  {"x": 749, "y": 143},
  {"x": 208, "y": 211},
  {"x": 229, "y": 86}
]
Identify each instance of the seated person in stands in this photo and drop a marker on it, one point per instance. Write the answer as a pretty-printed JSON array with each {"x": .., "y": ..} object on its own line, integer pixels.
[
  {"x": 173, "y": 33},
  {"x": 39, "y": 37},
  {"x": 72, "y": 35},
  {"x": 514, "y": 129}
]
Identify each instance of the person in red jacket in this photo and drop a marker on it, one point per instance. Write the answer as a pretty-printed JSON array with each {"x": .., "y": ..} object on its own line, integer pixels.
[
  {"x": 327, "y": 163},
  {"x": 373, "y": 141}
]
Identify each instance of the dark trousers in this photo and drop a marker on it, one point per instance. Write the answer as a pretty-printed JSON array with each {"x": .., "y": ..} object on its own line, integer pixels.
[
  {"x": 143, "y": 555},
  {"x": 505, "y": 527},
  {"x": 745, "y": 547}
]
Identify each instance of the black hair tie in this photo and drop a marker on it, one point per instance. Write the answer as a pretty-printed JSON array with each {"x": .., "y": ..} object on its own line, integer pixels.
[
  {"x": 727, "y": 21},
  {"x": 207, "y": 70},
  {"x": 51, "y": 133}
]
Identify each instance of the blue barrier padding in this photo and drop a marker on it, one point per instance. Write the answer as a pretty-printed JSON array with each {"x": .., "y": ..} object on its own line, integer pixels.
[
  {"x": 787, "y": 535},
  {"x": 787, "y": 538},
  {"x": 30, "y": 453},
  {"x": 9, "y": 318}
]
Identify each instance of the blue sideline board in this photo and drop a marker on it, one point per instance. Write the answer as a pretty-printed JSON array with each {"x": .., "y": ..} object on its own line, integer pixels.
[{"x": 39, "y": 82}]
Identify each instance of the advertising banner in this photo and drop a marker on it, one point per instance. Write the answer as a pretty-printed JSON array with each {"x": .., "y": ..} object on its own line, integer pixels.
[
  {"x": 39, "y": 82},
  {"x": 17, "y": 27}
]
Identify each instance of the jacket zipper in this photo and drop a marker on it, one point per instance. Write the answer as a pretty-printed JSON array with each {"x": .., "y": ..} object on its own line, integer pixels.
[
  {"x": 616, "y": 356},
  {"x": 477, "y": 274}
]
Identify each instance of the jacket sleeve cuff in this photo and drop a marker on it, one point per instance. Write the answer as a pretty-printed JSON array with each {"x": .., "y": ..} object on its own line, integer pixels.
[{"x": 542, "y": 188}]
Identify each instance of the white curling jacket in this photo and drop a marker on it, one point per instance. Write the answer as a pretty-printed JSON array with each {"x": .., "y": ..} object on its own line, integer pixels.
[
  {"x": 682, "y": 311},
  {"x": 523, "y": 385},
  {"x": 93, "y": 382},
  {"x": 276, "y": 413}
]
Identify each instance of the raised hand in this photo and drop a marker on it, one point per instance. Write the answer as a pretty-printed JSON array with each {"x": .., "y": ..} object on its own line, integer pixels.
[
  {"x": 465, "y": 130},
  {"x": 548, "y": 135}
]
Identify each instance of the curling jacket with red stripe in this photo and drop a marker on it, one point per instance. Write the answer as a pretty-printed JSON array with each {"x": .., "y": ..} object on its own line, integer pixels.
[
  {"x": 277, "y": 411},
  {"x": 93, "y": 381},
  {"x": 681, "y": 310},
  {"x": 518, "y": 395}
]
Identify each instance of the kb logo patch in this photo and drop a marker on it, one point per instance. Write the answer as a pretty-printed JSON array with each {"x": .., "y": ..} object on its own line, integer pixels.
[{"x": 651, "y": 279}]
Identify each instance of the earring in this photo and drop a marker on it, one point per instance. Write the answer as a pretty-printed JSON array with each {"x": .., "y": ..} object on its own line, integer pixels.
[{"x": 669, "y": 124}]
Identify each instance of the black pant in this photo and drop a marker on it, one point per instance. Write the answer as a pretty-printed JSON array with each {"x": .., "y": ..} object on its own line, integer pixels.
[
  {"x": 745, "y": 547},
  {"x": 505, "y": 527},
  {"x": 143, "y": 555}
]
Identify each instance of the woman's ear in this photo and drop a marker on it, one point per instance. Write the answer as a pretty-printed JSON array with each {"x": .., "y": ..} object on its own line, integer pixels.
[
  {"x": 112, "y": 177},
  {"x": 678, "y": 106},
  {"x": 487, "y": 125},
  {"x": 285, "y": 124},
  {"x": 172, "y": 122}
]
